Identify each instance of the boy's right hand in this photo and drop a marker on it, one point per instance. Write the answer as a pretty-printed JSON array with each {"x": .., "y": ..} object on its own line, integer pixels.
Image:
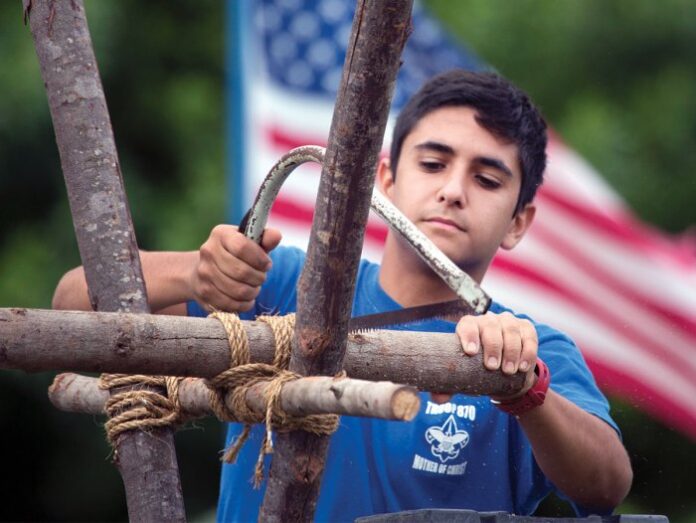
[{"x": 231, "y": 269}]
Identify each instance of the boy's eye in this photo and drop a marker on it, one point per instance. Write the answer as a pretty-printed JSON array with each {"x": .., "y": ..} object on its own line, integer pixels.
[
  {"x": 487, "y": 182},
  {"x": 431, "y": 165}
]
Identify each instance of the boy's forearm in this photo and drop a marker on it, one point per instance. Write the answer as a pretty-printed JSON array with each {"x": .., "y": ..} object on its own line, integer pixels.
[
  {"x": 167, "y": 279},
  {"x": 579, "y": 453}
]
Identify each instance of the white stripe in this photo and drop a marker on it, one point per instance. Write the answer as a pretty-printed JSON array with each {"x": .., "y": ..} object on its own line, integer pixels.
[
  {"x": 569, "y": 174},
  {"x": 657, "y": 280}
]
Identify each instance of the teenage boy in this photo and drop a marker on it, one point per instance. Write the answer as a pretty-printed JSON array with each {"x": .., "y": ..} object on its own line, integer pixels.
[{"x": 467, "y": 156}]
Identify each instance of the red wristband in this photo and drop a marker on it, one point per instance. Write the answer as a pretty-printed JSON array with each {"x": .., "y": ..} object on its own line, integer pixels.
[{"x": 534, "y": 397}]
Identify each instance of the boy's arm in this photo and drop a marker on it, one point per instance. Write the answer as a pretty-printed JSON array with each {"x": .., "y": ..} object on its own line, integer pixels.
[
  {"x": 225, "y": 274},
  {"x": 580, "y": 453}
]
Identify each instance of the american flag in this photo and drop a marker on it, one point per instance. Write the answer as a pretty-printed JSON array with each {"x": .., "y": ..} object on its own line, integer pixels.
[{"x": 623, "y": 291}]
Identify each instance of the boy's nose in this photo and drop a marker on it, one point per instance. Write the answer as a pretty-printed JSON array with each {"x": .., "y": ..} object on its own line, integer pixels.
[{"x": 452, "y": 192}]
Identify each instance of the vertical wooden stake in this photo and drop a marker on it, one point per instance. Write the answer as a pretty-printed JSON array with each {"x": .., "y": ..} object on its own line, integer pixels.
[
  {"x": 327, "y": 284},
  {"x": 101, "y": 217}
]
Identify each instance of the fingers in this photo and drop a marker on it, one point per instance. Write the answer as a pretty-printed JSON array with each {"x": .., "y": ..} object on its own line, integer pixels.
[
  {"x": 232, "y": 268},
  {"x": 271, "y": 238},
  {"x": 469, "y": 335},
  {"x": 530, "y": 346},
  {"x": 508, "y": 343}
]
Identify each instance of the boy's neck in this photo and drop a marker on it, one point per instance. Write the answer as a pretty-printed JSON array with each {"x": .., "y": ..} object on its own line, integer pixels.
[{"x": 407, "y": 279}]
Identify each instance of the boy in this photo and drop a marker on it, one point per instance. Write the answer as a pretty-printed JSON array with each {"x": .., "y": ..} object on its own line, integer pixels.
[{"x": 467, "y": 156}]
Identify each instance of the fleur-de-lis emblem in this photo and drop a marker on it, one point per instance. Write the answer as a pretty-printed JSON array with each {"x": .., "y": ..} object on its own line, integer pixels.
[{"x": 446, "y": 441}]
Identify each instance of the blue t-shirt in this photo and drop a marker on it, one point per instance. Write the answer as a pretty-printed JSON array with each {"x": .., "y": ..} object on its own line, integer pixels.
[{"x": 463, "y": 454}]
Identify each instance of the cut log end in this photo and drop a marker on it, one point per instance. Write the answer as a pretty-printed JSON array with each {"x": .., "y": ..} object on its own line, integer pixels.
[{"x": 405, "y": 404}]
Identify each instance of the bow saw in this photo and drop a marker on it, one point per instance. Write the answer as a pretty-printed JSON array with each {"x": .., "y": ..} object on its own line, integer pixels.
[{"x": 471, "y": 299}]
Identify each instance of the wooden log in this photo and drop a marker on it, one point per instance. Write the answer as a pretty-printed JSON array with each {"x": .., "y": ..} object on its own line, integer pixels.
[
  {"x": 327, "y": 284},
  {"x": 38, "y": 340},
  {"x": 313, "y": 395},
  {"x": 102, "y": 222}
]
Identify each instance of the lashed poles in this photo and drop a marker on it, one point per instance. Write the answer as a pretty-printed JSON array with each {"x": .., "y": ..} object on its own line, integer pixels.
[
  {"x": 36, "y": 340},
  {"x": 103, "y": 227},
  {"x": 327, "y": 284}
]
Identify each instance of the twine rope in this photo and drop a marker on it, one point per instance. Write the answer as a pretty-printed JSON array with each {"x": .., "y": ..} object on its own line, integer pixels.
[
  {"x": 233, "y": 384},
  {"x": 142, "y": 407}
]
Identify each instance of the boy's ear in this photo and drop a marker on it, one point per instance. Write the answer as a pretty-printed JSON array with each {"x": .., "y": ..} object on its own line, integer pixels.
[
  {"x": 385, "y": 178},
  {"x": 518, "y": 226}
]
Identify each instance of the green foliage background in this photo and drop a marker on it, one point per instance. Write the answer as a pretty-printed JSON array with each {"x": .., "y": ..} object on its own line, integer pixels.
[{"x": 615, "y": 79}]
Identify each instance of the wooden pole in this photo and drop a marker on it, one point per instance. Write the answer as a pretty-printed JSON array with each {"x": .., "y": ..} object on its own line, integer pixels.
[
  {"x": 38, "y": 340},
  {"x": 101, "y": 217},
  {"x": 313, "y": 395},
  {"x": 327, "y": 283}
]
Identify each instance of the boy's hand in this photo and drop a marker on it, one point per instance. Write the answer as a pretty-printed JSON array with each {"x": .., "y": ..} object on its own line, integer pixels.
[
  {"x": 509, "y": 343},
  {"x": 231, "y": 269}
]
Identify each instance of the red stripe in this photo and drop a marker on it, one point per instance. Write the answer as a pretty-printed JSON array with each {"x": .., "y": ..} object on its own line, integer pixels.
[
  {"x": 623, "y": 229},
  {"x": 655, "y": 402},
  {"x": 576, "y": 256},
  {"x": 285, "y": 140},
  {"x": 603, "y": 315},
  {"x": 289, "y": 210},
  {"x": 620, "y": 224}
]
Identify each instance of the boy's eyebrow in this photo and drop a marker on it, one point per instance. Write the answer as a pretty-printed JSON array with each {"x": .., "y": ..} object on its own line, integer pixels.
[
  {"x": 487, "y": 161},
  {"x": 435, "y": 146},
  {"x": 495, "y": 163}
]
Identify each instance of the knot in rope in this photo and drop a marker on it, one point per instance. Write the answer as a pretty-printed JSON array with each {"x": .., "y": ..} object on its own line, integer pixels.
[
  {"x": 142, "y": 407},
  {"x": 228, "y": 390}
]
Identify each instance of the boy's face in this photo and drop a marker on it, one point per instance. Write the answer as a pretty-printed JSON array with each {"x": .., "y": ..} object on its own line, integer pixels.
[{"x": 459, "y": 184}]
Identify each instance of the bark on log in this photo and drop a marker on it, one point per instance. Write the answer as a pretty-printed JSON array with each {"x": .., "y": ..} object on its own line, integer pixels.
[
  {"x": 313, "y": 395},
  {"x": 38, "y": 340},
  {"x": 327, "y": 283},
  {"x": 101, "y": 217}
]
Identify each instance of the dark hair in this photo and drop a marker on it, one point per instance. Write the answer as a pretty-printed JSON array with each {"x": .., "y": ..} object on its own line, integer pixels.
[{"x": 502, "y": 109}]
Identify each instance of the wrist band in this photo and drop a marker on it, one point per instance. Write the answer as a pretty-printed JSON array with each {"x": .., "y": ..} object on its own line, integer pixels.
[{"x": 534, "y": 397}]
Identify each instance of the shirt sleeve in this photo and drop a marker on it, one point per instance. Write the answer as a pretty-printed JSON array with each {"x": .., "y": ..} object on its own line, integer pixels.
[{"x": 570, "y": 376}]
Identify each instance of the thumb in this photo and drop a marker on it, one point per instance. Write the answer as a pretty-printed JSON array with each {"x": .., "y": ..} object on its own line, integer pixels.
[{"x": 270, "y": 239}]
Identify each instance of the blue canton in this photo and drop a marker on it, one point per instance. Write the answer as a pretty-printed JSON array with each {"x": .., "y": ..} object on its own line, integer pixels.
[{"x": 305, "y": 45}]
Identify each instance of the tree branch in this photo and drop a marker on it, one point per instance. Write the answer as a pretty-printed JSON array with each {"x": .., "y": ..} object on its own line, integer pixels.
[
  {"x": 313, "y": 395},
  {"x": 102, "y": 221},
  {"x": 326, "y": 286},
  {"x": 38, "y": 340}
]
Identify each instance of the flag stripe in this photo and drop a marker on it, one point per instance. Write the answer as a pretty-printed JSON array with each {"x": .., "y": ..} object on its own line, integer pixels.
[
  {"x": 655, "y": 401},
  {"x": 619, "y": 229},
  {"x": 575, "y": 255}
]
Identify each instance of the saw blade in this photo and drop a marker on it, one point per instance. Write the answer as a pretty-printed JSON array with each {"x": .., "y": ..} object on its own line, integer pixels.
[{"x": 382, "y": 320}]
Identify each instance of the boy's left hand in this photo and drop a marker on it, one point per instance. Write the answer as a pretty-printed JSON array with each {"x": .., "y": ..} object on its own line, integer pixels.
[{"x": 509, "y": 343}]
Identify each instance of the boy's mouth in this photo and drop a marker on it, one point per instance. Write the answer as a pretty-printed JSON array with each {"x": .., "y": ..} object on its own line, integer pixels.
[{"x": 445, "y": 222}]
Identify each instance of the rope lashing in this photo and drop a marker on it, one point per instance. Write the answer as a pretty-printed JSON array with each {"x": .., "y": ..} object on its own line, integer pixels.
[
  {"x": 141, "y": 408},
  {"x": 144, "y": 408},
  {"x": 236, "y": 381}
]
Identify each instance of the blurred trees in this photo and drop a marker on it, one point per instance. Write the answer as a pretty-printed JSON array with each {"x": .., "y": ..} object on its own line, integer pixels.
[{"x": 614, "y": 79}]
